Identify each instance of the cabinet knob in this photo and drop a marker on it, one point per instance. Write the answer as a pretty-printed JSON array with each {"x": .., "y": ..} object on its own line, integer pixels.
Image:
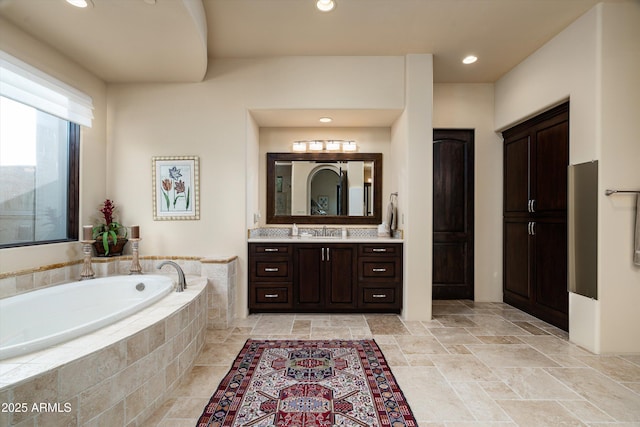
[
  {"x": 271, "y": 269},
  {"x": 271, "y": 249},
  {"x": 379, "y": 250},
  {"x": 271, "y": 295},
  {"x": 379, "y": 270},
  {"x": 379, "y": 295}
]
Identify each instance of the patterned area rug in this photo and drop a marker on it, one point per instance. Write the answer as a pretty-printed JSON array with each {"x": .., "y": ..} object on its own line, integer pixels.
[{"x": 308, "y": 384}]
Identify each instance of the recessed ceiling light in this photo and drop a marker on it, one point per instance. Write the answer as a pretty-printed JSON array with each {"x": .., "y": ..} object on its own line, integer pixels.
[
  {"x": 325, "y": 5},
  {"x": 80, "y": 3},
  {"x": 326, "y": 119},
  {"x": 469, "y": 59}
]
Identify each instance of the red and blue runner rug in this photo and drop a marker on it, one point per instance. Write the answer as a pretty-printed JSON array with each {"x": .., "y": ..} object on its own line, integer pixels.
[{"x": 308, "y": 384}]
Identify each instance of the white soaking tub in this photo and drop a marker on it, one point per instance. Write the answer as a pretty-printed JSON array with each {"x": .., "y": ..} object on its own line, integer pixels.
[{"x": 36, "y": 320}]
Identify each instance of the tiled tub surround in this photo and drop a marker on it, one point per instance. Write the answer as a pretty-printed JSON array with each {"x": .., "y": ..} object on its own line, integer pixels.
[
  {"x": 117, "y": 375},
  {"x": 120, "y": 374},
  {"x": 221, "y": 272}
]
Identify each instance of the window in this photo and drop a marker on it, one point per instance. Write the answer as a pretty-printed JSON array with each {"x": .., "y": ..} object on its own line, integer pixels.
[
  {"x": 39, "y": 173},
  {"x": 40, "y": 118}
]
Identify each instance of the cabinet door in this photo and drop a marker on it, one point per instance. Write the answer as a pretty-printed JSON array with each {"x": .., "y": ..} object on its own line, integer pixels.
[
  {"x": 340, "y": 268},
  {"x": 517, "y": 286},
  {"x": 516, "y": 174},
  {"x": 550, "y": 274},
  {"x": 309, "y": 276},
  {"x": 549, "y": 182}
]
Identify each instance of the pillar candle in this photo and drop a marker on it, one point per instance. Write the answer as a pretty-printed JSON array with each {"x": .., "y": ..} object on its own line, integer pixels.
[
  {"x": 87, "y": 232},
  {"x": 135, "y": 231}
]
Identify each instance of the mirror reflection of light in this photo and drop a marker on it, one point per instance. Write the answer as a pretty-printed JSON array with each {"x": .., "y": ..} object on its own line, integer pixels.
[{"x": 17, "y": 134}]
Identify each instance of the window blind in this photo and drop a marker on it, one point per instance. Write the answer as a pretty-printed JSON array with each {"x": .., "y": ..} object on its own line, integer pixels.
[{"x": 28, "y": 85}]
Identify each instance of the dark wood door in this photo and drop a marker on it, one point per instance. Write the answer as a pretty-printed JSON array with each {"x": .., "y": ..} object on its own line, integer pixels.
[
  {"x": 340, "y": 271},
  {"x": 325, "y": 277},
  {"x": 536, "y": 157},
  {"x": 308, "y": 281},
  {"x": 453, "y": 214}
]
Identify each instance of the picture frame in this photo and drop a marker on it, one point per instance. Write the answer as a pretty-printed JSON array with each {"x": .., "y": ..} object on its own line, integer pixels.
[{"x": 176, "y": 187}]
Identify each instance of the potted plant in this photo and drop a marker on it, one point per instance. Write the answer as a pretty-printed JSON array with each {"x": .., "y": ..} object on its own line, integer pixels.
[{"x": 111, "y": 236}]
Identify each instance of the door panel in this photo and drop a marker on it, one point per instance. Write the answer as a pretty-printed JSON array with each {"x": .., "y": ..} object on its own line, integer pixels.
[
  {"x": 453, "y": 216},
  {"x": 341, "y": 275},
  {"x": 516, "y": 265},
  {"x": 551, "y": 263},
  {"x": 552, "y": 154},
  {"x": 308, "y": 275},
  {"x": 516, "y": 175}
]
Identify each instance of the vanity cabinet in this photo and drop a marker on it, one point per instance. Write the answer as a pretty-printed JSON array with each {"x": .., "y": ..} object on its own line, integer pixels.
[
  {"x": 380, "y": 277},
  {"x": 270, "y": 277},
  {"x": 325, "y": 277}
]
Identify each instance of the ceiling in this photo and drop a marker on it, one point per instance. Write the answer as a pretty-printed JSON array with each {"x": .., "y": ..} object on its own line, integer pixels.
[{"x": 173, "y": 40}]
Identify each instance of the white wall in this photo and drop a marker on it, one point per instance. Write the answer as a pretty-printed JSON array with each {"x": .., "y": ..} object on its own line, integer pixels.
[
  {"x": 211, "y": 120},
  {"x": 594, "y": 62},
  {"x": 470, "y": 106},
  {"x": 412, "y": 158},
  {"x": 618, "y": 278},
  {"x": 93, "y": 178}
]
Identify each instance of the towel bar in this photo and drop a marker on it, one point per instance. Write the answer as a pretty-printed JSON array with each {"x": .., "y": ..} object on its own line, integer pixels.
[{"x": 610, "y": 192}]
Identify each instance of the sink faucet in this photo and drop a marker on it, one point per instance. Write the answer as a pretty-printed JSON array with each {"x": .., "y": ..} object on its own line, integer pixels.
[
  {"x": 182, "y": 282},
  {"x": 324, "y": 231}
]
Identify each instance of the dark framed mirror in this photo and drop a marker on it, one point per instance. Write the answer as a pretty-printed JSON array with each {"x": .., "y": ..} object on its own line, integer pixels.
[{"x": 324, "y": 188}]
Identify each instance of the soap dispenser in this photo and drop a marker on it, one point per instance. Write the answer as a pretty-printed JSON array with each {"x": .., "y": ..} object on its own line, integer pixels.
[{"x": 294, "y": 230}]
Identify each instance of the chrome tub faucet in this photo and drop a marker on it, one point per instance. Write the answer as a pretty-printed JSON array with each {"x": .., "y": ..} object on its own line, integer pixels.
[{"x": 182, "y": 282}]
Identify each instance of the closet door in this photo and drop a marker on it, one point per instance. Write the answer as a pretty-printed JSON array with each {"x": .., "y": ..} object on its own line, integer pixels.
[{"x": 536, "y": 158}]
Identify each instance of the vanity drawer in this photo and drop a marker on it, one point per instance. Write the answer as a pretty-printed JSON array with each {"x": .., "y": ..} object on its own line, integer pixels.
[
  {"x": 270, "y": 249},
  {"x": 379, "y": 295},
  {"x": 374, "y": 269},
  {"x": 271, "y": 269},
  {"x": 271, "y": 297},
  {"x": 369, "y": 249}
]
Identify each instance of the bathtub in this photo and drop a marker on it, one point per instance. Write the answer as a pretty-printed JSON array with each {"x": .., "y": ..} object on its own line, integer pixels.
[{"x": 50, "y": 316}]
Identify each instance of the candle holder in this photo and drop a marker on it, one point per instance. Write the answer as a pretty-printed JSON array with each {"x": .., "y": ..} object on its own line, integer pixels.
[
  {"x": 87, "y": 250},
  {"x": 135, "y": 261}
]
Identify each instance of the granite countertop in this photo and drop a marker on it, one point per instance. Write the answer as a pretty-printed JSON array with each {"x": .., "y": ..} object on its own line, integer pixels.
[
  {"x": 321, "y": 239},
  {"x": 331, "y": 234}
]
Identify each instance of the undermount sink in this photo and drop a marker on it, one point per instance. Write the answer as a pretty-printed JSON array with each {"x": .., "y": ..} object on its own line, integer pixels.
[{"x": 313, "y": 236}]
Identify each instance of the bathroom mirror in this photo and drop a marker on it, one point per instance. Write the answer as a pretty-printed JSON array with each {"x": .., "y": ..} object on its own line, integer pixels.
[{"x": 324, "y": 188}]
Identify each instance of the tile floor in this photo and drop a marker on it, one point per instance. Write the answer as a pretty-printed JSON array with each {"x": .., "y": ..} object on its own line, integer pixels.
[{"x": 481, "y": 364}]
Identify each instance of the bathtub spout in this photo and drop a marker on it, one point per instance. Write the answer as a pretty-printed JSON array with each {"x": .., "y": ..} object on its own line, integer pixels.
[{"x": 182, "y": 282}]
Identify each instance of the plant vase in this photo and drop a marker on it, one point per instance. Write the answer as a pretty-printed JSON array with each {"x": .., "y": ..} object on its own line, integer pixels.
[{"x": 114, "y": 249}]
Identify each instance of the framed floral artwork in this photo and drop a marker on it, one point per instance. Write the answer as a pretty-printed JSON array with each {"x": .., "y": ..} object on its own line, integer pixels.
[{"x": 176, "y": 189}]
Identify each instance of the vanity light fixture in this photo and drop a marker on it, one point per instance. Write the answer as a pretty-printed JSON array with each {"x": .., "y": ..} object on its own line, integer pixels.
[
  {"x": 324, "y": 145},
  {"x": 316, "y": 146},
  {"x": 299, "y": 146},
  {"x": 349, "y": 146},
  {"x": 80, "y": 3},
  {"x": 469, "y": 59},
  {"x": 333, "y": 145},
  {"x": 325, "y": 5},
  {"x": 325, "y": 120}
]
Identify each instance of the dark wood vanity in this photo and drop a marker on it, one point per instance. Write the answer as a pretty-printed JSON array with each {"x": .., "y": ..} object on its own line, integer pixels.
[{"x": 300, "y": 276}]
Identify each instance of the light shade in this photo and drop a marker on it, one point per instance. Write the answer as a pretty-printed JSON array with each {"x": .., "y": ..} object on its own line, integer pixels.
[
  {"x": 316, "y": 145},
  {"x": 349, "y": 146},
  {"x": 300, "y": 146},
  {"x": 333, "y": 145}
]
